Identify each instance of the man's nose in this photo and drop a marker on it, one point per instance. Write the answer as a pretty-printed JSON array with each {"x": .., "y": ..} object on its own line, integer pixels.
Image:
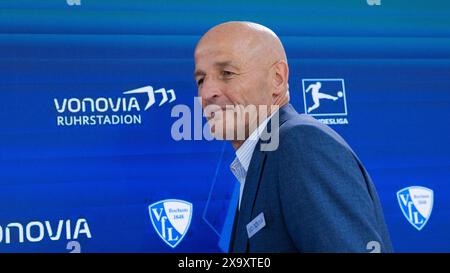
[{"x": 210, "y": 90}]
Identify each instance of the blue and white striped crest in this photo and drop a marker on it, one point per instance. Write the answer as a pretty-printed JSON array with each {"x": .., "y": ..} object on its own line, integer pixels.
[
  {"x": 171, "y": 219},
  {"x": 416, "y": 204}
]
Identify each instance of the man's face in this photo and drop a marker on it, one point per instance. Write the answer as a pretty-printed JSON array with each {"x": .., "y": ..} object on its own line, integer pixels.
[{"x": 229, "y": 74}]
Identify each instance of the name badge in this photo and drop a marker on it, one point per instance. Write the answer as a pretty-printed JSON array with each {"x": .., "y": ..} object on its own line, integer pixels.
[{"x": 256, "y": 225}]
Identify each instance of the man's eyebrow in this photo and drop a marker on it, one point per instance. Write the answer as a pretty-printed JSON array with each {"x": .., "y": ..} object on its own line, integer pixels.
[
  {"x": 199, "y": 73},
  {"x": 223, "y": 64}
]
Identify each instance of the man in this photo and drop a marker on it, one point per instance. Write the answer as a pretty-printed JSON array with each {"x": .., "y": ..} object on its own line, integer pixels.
[{"x": 311, "y": 193}]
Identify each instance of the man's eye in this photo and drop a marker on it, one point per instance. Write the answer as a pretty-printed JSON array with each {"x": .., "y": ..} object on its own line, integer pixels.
[
  {"x": 226, "y": 73},
  {"x": 199, "y": 82}
]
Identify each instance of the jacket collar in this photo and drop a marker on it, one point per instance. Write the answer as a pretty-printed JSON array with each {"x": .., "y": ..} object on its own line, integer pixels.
[{"x": 252, "y": 181}]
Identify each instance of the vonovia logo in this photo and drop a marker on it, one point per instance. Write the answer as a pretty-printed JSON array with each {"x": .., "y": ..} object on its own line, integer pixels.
[
  {"x": 416, "y": 204},
  {"x": 125, "y": 109},
  {"x": 171, "y": 219},
  {"x": 326, "y": 99}
]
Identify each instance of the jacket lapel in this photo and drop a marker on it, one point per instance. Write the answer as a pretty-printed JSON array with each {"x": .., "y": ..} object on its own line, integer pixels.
[
  {"x": 248, "y": 199},
  {"x": 252, "y": 181}
]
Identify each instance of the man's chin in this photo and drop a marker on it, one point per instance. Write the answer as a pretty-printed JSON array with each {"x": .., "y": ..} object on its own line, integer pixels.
[{"x": 218, "y": 134}]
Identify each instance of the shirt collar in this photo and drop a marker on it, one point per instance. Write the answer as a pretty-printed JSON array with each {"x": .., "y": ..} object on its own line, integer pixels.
[{"x": 245, "y": 152}]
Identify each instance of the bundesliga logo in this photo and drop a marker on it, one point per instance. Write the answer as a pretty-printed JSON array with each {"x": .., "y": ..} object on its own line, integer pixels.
[
  {"x": 326, "y": 100},
  {"x": 171, "y": 219}
]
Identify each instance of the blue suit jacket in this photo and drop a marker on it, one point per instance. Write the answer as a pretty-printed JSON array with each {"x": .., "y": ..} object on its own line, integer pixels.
[{"x": 314, "y": 193}]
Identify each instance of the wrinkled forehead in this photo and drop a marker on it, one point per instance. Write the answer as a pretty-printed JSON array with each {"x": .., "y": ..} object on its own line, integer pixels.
[
  {"x": 219, "y": 58},
  {"x": 216, "y": 60},
  {"x": 227, "y": 48}
]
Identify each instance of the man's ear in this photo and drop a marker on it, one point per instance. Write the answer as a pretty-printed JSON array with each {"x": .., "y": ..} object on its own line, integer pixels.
[{"x": 280, "y": 77}]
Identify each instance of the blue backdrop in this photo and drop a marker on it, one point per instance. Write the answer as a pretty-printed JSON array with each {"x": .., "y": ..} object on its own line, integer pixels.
[{"x": 81, "y": 161}]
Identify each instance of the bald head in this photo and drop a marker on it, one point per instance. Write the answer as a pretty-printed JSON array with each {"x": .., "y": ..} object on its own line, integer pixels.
[{"x": 253, "y": 41}]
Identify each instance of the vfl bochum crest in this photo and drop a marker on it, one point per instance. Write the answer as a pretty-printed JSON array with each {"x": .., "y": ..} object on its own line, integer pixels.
[
  {"x": 416, "y": 204},
  {"x": 171, "y": 219}
]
